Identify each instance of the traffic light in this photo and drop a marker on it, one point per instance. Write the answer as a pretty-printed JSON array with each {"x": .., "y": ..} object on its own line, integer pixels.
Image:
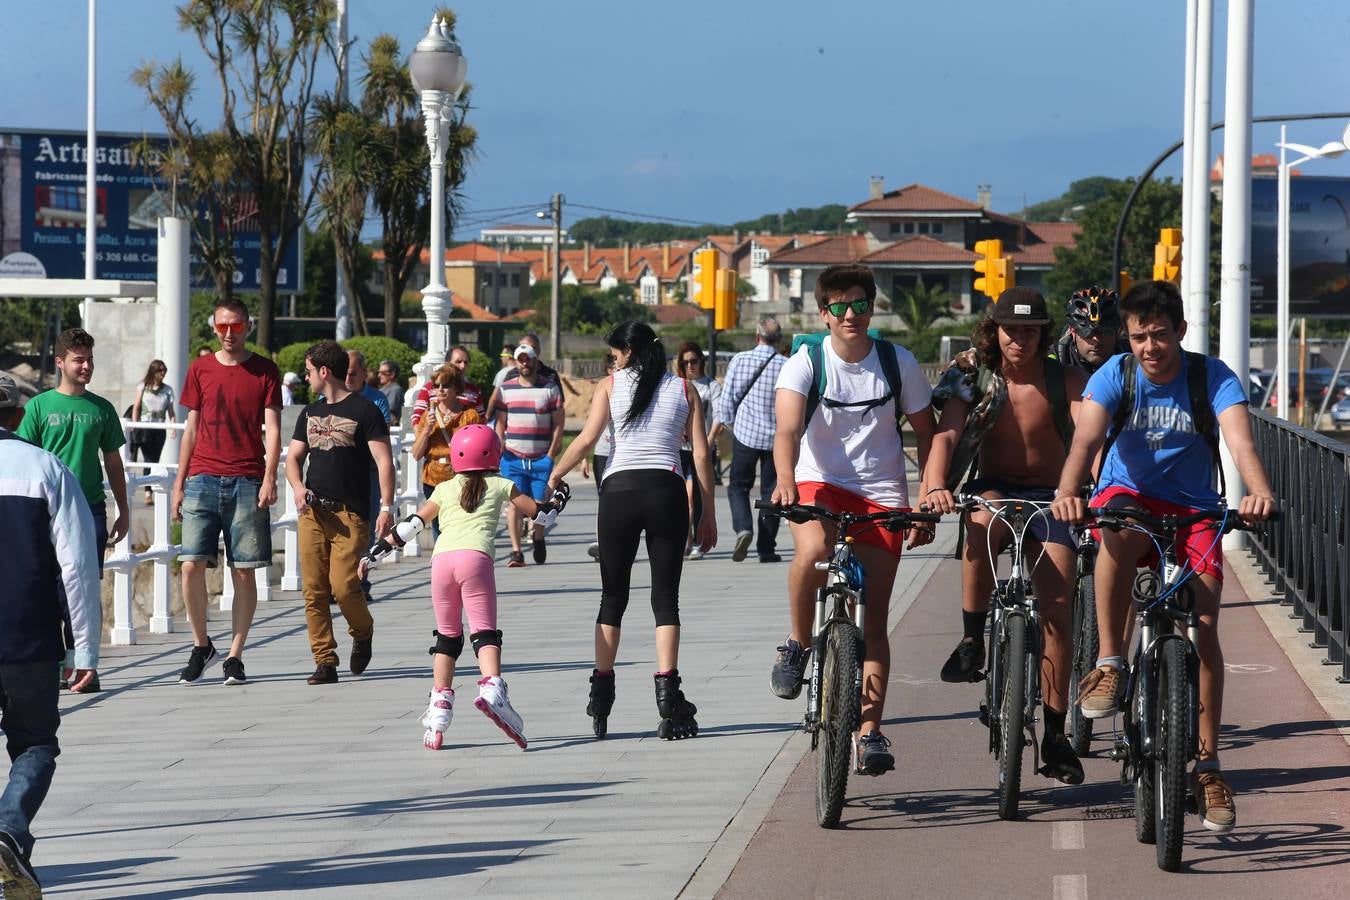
[
  {"x": 1167, "y": 256},
  {"x": 990, "y": 269},
  {"x": 703, "y": 284},
  {"x": 1126, "y": 282},
  {"x": 1006, "y": 275},
  {"x": 726, "y": 315}
]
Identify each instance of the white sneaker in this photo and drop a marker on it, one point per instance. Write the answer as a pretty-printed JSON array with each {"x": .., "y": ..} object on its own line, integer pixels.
[
  {"x": 493, "y": 702},
  {"x": 440, "y": 710},
  {"x": 695, "y": 552}
]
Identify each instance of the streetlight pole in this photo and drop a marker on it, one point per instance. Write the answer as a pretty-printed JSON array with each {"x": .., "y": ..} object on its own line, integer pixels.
[
  {"x": 437, "y": 68},
  {"x": 554, "y": 215},
  {"x": 90, "y": 167},
  {"x": 342, "y": 310},
  {"x": 1327, "y": 151},
  {"x": 1196, "y": 248}
]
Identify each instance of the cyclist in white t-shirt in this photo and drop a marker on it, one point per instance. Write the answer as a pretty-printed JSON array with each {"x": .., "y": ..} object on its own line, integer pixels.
[{"x": 849, "y": 457}]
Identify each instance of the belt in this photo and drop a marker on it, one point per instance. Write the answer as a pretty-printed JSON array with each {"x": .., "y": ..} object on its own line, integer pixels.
[{"x": 328, "y": 504}]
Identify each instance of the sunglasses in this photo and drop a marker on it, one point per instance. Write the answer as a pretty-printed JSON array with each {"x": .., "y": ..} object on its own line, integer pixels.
[
  {"x": 690, "y": 361},
  {"x": 840, "y": 307},
  {"x": 224, "y": 328}
]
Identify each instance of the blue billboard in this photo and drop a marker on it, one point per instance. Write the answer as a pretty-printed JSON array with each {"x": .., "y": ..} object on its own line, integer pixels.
[
  {"x": 1319, "y": 246},
  {"x": 43, "y": 205}
]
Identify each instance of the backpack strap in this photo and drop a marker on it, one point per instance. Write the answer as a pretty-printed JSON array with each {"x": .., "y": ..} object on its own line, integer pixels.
[
  {"x": 1202, "y": 410},
  {"x": 816, "y": 356},
  {"x": 890, "y": 369},
  {"x": 1128, "y": 366},
  {"x": 1058, "y": 395}
]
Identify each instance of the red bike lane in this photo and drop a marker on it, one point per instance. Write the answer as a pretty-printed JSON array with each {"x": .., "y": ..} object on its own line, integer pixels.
[{"x": 931, "y": 829}]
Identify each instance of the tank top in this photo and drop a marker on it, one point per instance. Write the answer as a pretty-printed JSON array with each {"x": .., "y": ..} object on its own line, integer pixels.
[{"x": 653, "y": 441}]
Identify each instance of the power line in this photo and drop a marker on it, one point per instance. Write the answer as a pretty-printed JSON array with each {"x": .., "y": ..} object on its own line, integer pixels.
[
  {"x": 637, "y": 215},
  {"x": 497, "y": 209}
]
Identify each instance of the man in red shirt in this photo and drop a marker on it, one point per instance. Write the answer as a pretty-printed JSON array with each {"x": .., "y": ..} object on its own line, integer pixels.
[
  {"x": 470, "y": 398},
  {"x": 226, "y": 480}
]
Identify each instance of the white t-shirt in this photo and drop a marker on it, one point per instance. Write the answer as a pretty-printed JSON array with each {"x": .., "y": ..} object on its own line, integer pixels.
[{"x": 854, "y": 448}]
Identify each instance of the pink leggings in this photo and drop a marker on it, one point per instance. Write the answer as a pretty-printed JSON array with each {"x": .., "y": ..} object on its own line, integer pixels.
[{"x": 462, "y": 581}]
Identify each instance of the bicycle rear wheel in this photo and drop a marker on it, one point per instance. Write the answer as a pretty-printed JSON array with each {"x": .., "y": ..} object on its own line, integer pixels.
[
  {"x": 1012, "y": 716},
  {"x": 839, "y": 712},
  {"x": 1169, "y": 756},
  {"x": 1085, "y": 650}
]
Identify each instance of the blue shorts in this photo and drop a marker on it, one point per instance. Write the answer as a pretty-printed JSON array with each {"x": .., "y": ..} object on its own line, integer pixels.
[
  {"x": 1044, "y": 528},
  {"x": 530, "y": 476},
  {"x": 226, "y": 503}
]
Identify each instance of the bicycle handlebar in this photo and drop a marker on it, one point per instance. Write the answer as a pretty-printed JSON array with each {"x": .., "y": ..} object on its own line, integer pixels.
[
  {"x": 800, "y": 513},
  {"x": 1117, "y": 519}
]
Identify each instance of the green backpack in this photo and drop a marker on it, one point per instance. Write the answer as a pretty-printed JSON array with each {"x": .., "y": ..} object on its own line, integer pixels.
[{"x": 890, "y": 369}]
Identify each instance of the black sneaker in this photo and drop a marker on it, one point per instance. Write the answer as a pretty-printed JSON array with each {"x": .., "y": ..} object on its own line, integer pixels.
[
  {"x": 17, "y": 878},
  {"x": 540, "y": 550},
  {"x": 233, "y": 670},
  {"x": 516, "y": 560},
  {"x": 198, "y": 660},
  {"x": 874, "y": 754},
  {"x": 786, "y": 679},
  {"x": 964, "y": 663},
  {"x": 1060, "y": 762}
]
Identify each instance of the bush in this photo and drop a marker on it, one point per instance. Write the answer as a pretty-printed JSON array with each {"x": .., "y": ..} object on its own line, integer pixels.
[
  {"x": 291, "y": 358},
  {"x": 481, "y": 369}
]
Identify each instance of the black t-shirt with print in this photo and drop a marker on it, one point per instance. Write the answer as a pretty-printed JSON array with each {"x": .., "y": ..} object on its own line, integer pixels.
[{"x": 339, "y": 436}]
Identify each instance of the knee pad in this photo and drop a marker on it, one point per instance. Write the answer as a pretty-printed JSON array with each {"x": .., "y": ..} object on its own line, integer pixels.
[
  {"x": 481, "y": 639},
  {"x": 446, "y": 645}
]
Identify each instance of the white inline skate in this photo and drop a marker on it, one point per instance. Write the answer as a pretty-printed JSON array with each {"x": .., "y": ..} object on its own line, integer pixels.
[
  {"x": 493, "y": 702},
  {"x": 440, "y": 710}
]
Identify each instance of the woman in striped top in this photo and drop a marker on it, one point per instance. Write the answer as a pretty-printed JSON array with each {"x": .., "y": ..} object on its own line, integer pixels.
[{"x": 650, "y": 411}]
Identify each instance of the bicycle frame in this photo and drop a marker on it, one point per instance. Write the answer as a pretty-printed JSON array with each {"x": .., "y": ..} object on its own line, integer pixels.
[{"x": 844, "y": 583}]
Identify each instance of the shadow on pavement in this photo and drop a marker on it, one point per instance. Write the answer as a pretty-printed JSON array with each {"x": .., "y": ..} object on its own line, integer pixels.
[{"x": 1285, "y": 846}]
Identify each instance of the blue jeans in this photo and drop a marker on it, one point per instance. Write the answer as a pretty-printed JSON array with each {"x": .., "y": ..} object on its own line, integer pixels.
[
  {"x": 229, "y": 503},
  {"x": 742, "y": 478},
  {"x": 30, "y": 717}
]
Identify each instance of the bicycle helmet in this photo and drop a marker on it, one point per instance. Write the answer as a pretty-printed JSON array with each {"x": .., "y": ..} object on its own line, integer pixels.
[
  {"x": 1094, "y": 310},
  {"x": 475, "y": 448}
]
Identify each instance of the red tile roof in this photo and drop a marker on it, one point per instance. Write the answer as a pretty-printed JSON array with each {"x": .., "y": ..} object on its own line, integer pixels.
[
  {"x": 465, "y": 309},
  {"x": 482, "y": 253},
  {"x": 921, "y": 249},
  {"x": 845, "y": 248},
  {"x": 917, "y": 198},
  {"x": 676, "y": 313},
  {"x": 1034, "y": 254},
  {"x": 1065, "y": 233}
]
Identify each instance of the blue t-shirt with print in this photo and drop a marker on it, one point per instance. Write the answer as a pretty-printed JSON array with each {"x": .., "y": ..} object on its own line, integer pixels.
[{"x": 1158, "y": 453}]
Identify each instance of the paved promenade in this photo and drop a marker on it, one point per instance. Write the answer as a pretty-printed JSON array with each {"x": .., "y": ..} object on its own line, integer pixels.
[{"x": 167, "y": 790}]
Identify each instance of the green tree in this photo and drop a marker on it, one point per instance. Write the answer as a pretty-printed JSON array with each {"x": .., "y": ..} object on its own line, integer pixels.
[
  {"x": 400, "y": 187},
  {"x": 1081, "y": 193},
  {"x": 264, "y": 56},
  {"x": 921, "y": 306}
]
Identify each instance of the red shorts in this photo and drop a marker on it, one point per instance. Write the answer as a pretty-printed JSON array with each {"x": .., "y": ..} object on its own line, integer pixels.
[
  {"x": 817, "y": 493},
  {"x": 1198, "y": 546}
]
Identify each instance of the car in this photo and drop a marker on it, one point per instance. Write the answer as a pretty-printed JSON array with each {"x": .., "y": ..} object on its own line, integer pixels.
[{"x": 1340, "y": 413}]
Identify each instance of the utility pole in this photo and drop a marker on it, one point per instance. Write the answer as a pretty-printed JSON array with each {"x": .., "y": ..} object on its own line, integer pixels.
[
  {"x": 342, "y": 308},
  {"x": 555, "y": 302}
]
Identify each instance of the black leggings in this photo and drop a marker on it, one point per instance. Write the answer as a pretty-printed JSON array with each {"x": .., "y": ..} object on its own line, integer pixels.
[{"x": 633, "y": 502}]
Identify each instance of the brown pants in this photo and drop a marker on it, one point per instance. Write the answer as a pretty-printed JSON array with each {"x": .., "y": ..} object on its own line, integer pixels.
[{"x": 331, "y": 544}]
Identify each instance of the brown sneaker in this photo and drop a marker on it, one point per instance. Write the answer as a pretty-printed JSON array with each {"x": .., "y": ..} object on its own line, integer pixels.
[
  {"x": 516, "y": 561},
  {"x": 324, "y": 673},
  {"x": 1099, "y": 692},
  {"x": 361, "y": 651},
  {"x": 1214, "y": 798}
]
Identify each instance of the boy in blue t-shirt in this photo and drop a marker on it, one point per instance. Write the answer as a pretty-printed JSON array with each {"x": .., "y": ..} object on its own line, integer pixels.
[{"x": 1160, "y": 464}]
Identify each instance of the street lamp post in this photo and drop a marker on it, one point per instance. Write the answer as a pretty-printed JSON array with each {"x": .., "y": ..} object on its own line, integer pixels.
[
  {"x": 1329, "y": 150},
  {"x": 437, "y": 68}
]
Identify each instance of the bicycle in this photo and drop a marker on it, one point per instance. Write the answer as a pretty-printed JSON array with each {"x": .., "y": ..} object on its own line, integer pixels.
[
  {"x": 1161, "y": 707},
  {"x": 1085, "y": 642},
  {"x": 834, "y": 680},
  {"x": 1013, "y": 683}
]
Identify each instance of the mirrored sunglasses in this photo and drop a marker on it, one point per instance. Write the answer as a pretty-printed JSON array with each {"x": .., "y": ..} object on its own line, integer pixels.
[{"x": 840, "y": 307}]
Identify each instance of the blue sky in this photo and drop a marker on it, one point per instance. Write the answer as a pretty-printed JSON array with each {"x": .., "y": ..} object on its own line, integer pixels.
[{"x": 729, "y": 110}]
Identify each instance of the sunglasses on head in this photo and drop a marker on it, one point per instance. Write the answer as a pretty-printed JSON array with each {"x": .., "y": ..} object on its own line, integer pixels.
[
  {"x": 224, "y": 328},
  {"x": 839, "y": 308}
]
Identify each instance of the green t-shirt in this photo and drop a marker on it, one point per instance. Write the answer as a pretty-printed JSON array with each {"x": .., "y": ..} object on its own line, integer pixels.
[
  {"x": 462, "y": 530},
  {"x": 78, "y": 430}
]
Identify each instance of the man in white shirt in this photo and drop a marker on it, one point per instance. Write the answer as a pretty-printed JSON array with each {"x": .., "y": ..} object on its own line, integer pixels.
[{"x": 848, "y": 457}]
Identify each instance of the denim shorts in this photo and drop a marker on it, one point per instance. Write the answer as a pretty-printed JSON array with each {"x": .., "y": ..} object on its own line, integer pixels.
[
  {"x": 213, "y": 504},
  {"x": 530, "y": 476},
  {"x": 1044, "y": 528}
]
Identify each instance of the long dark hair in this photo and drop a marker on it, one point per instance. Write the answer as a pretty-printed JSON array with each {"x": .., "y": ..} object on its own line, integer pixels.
[
  {"x": 985, "y": 340},
  {"x": 157, "y": 367},
  {"x": 648, "y": 357},
  {"x": 472, "y": 490}
]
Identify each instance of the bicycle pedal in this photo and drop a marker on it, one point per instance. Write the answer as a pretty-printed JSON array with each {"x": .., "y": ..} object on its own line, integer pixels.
[{"x": 984, "y": 715}]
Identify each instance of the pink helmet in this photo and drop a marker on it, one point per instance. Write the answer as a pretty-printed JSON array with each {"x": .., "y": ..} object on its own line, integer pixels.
[{"x": 475, "y": 448}]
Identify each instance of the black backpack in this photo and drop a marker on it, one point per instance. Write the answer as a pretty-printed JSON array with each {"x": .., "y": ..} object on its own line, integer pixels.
[
  {"x": 1202, "y": 410},
  {"x": 890, "y": 368}
]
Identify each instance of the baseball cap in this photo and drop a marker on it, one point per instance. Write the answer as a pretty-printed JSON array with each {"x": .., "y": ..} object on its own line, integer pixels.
[
  {"x": 1020, "y": 306},
  {"x": 527, "y": 350},
  {"x": 10, "y": 396}
]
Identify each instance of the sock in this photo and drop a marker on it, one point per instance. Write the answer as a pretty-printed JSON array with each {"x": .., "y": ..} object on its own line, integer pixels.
[
  {"x": 599, "y": 674},
  {"x": 973, "y": 623},
  {"x": 1054, "y": 722},
  {"x": 1115, "y": 662},
  {"x": 1208, "y": 765}
]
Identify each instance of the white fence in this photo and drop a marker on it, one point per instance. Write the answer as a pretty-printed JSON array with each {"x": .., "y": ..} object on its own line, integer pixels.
[{"x": 159, "y": 478}]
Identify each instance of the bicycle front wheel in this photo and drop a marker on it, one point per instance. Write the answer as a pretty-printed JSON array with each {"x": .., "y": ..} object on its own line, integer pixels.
[
  {"x": 839, "y": 713},
  {"x": 1169, "y": 757},
  {"x": 1012, "y": 716},
  {"x": 1085, "y": 650}
]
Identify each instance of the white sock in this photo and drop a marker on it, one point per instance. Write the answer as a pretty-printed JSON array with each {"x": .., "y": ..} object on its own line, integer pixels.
[{"x": 1115, "y": 662}]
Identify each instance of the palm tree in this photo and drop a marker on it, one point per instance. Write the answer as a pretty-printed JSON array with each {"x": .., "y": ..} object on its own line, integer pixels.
[{"x": 921, "y": 306}]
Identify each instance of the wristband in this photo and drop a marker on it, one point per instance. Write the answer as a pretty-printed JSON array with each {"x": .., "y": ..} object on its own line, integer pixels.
[{"x": 931, "y": 490}]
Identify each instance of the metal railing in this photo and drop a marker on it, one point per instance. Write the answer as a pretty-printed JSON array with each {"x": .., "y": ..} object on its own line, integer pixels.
[
  {"x": 159, "y": 478},
  {"x": 1307, "y": 552}
]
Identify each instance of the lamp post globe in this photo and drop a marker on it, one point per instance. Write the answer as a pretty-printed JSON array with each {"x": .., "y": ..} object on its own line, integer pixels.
[{"x": 438, "y": 69}]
